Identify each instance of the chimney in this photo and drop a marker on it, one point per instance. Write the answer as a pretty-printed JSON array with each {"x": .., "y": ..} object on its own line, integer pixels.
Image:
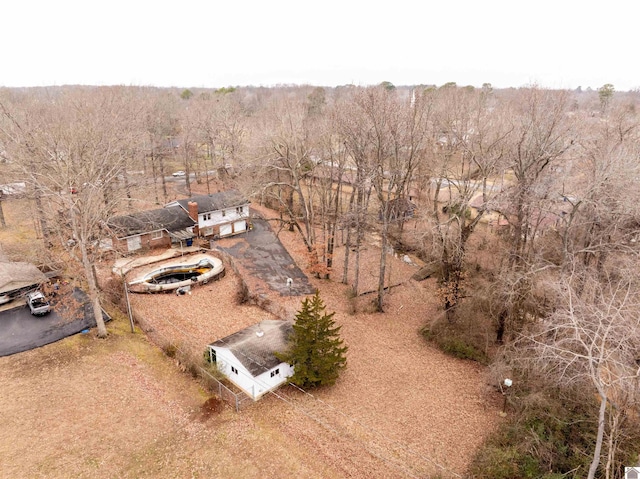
[{"x": 193, "y": 210}]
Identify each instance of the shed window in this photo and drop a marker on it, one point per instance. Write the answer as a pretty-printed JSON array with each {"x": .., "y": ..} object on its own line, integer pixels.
[
  {"x": 155, "y": 235},
  {"x": 275, "y": 372},
  {"x": 234, "y": 370}
]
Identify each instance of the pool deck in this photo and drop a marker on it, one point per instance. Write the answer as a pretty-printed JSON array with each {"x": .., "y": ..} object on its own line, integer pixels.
[
  {"x": 123, "y": 265},
  {"x": 140, "y": 283}
]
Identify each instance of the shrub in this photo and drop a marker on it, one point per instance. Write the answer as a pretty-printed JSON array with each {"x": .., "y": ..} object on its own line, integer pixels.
[
  {"x": 113, "y": 289},
  {"x": 459, "y": 349},
  {"x": 206, "y": 355},
  {"x": 454, "y": 340},
  {"x": 242, "y": 293},
  {"x": 170, "y": 350},
  {"x": 550, "y": 434}
]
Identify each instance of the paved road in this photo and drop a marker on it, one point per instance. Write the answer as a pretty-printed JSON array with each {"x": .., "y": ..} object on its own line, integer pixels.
[{"x": 21, "y": 331}]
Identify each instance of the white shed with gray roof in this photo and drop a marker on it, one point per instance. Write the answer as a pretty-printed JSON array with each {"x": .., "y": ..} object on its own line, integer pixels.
[{"x": 247, "y": 358}]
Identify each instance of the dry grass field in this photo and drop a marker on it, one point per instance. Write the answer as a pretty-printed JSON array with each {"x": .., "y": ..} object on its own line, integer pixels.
[{"x": 120, "y": 408}]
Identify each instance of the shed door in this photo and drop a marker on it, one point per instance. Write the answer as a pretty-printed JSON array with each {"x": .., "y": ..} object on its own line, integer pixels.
[
  {"x": 225, "y": 230},
  {"x": 134, "y": 243},
  {"x": 239, "y": 226}
]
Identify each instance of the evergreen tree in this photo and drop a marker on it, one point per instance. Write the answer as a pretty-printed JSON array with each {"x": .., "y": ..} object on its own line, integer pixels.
[{"x": 315, "y": 348}]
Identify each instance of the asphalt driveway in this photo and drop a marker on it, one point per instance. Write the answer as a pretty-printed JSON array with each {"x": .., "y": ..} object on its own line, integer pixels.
[
  {"x": 261, "y": 253},
  {"x": 21, "y": 331}
]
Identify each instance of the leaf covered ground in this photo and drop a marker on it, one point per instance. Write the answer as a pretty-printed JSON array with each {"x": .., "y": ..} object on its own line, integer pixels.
[{"x": 119, "y": 407}]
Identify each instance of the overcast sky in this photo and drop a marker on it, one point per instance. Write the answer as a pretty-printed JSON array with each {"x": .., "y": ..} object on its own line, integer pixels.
[{"x": 192, "y": 43}]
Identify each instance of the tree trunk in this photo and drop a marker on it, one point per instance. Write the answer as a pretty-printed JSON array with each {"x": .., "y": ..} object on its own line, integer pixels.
[
  {"x": 383, "y": 265},
  {"x": 331, "y": 239},
  {"x": 345, "y": 272},
  {"x": 614, "y": 423},
  {"x": 164, "y": 181},
  {"x": 41, "y": 216},
  {"x": 356, "y": 270},
  {"x": 127, "y": 188},
  {"x": 187, "y": 176},
  {"x": 502, "y": 325},
  {"x": 347, "y": 250},
  {"x": 154, "y": 172},
  {"x": 93, "y": 291},
  {"x": 599, "y": 437},
  {"x": 3, "y": 223},
  {"x": 330, "y": 245}
]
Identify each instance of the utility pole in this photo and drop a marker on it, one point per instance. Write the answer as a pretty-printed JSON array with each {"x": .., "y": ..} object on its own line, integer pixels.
[{"x": 126, "y": 295}]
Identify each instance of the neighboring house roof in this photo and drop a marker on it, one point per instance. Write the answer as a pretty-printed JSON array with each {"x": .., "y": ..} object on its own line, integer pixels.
[
  {"x": 477, "y": 202},
  {"x": 13, "y": 189},
  {"x": 400, "y": 208},
  {"x": 255, "y": 346},
  {"x": 170, "y": 219},
  {"x": 214, "y": 201},
  {"x": 19, "y": 275},
  {"x": 327, "y": 173}
]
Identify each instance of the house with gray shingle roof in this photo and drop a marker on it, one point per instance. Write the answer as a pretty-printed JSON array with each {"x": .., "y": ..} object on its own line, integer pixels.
[
  {"x": 217, "y": 214},
  {"x": 151, "y": 229},
  {"x": 247, "y": 357}
]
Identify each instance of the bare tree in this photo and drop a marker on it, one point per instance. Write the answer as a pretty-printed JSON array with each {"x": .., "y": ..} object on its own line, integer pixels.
[
  {"x": 602, "y": 202},
  {"x": 220, "y": 120},
  {"x": 161, "y": 126},
  {"x": 591, "y": 339},
  {"x": 542, "y": 135},
  {"x": 287, "y": 163},
  {"x": 469, "y": 158},
  {"x": 71, "y": 150},
  {"x": 355, "y": 130},
  {"x": 329, "y": 180}
]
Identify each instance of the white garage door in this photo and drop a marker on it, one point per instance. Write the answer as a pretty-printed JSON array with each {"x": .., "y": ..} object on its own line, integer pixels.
[
  {"x": 134, "y": 243},
  {"x": 225, "y": 230},
  {"x": 239, "y": 226}
]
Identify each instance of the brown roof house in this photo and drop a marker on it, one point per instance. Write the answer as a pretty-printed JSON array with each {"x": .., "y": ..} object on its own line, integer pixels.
[
  {"x": 18, "y": 278},
  {"x": 247, "y": 357},
  {"x": 157, "y": 228},
  {"x": 400, "y": 208},
  {"x": 218, "y": 214}
]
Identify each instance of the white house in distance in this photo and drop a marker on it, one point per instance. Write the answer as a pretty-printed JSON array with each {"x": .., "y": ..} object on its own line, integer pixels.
[
  {"x": 247, "y": 357},
  {"x": 218, "y": 214}
]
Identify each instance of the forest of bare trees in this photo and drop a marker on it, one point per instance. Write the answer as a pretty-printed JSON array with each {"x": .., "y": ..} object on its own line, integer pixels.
[{"x": 543, "y": 182}]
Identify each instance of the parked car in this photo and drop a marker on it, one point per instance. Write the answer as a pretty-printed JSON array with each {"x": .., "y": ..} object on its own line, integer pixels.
[
  {"x": 38, "y": 304},
  {"x": 179, "y": 173}
]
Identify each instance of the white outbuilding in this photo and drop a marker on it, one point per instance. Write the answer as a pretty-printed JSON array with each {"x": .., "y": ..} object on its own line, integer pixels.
[{"x": 247, "y": 357}]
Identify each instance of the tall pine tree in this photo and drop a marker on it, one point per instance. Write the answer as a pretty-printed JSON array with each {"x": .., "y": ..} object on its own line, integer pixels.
[{"x": 315, "y": 349}]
